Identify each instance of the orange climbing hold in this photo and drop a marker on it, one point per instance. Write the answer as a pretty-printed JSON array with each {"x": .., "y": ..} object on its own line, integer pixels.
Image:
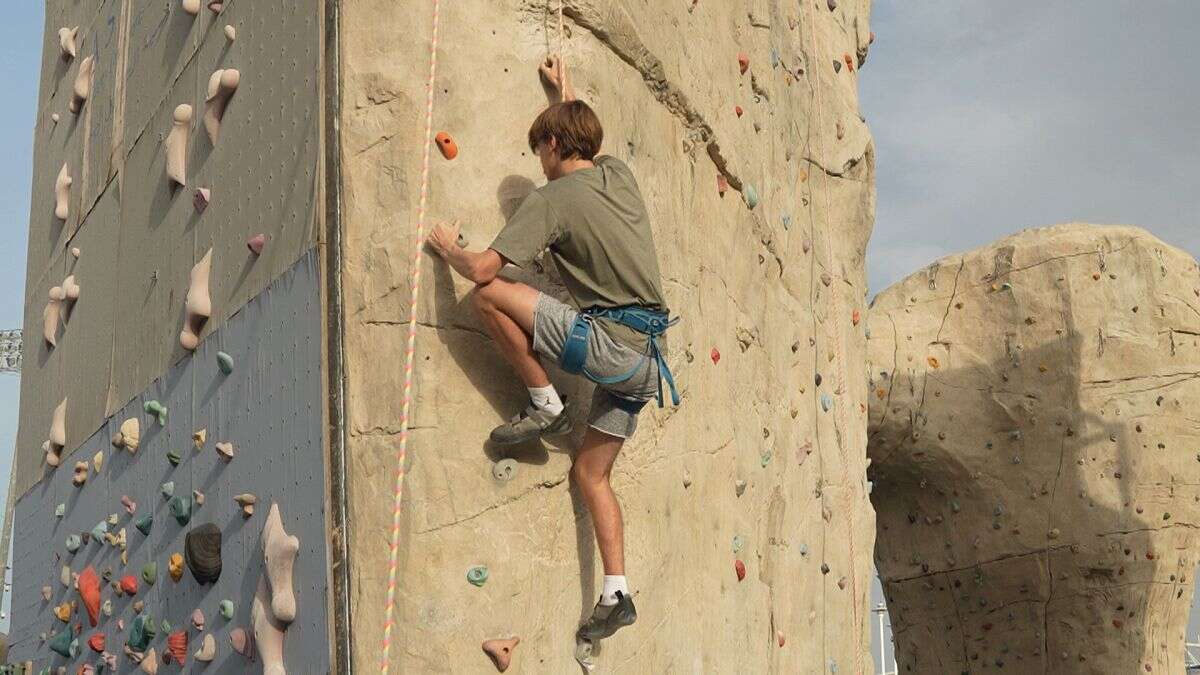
[
  {"x": 855, "y": 317},
  {"x": 743, "y": 63},
  {"x": 129, "y": 584},
  {"x": 89, "y": 591},
  {"x": 96, "y": 642},
  {"x": 446, "y": 144},
  {"x": 933, "y": 362},
  {"x": 849, "y": 62}
]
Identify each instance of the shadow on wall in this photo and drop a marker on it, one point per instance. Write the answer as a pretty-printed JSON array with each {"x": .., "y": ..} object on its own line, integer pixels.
[{"x": 1011, "y": 530}]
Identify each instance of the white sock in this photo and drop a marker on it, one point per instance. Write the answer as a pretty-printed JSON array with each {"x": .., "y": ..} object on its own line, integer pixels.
[
  {"x": 546, "y": 398},
  {"x": 612, "y": 584}
]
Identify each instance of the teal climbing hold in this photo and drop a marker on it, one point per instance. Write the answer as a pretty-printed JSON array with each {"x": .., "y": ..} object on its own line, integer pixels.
[
  {"x": 826, "y": 402},
  {"x": 181, "y": 508},
  {"x": 73, "y": 543},
  {"x": 226, "y": 608},
  {"x": 99, "y": 530},
  {"x": 143, "y": 524},
  {"x": 751, "y": 196},
  {"x": 157, "y": 409},
  {"x": 141, "y": 632},
  {"x": 478, "y": 575},
  {"x": 225, "y": 362},
  {"x": 150, "y": 573},
  {"x": 168, "y": 489},
  {"x": 61, "y": 643}
]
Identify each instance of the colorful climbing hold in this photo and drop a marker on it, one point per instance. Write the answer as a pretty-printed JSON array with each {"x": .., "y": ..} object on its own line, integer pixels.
[
  {"x": 715, "y": 355},
  {"x": 855, "y": 317},
  {"x": 933, "y": 362},
  {"x": 247, "y": 502},
  {"x": 89, "y": 593},
  {"x": 167, "y": 489},
  {"x": 722, "y": 184},
  {"x": 446, "y": 145},
  {"x": 150, "y": 573},
  {"x": 176, "y": 647},
  {"x": 141, "y": 632},
  {"x": 826, "y": 402},
  {"x": 224, "y": 362},
  {"x": 837, "y": 66},
  {"x": 751, "y": 196},
  {"x": 226, "y": 608},
  {"x": 73, "y": 543},
  {"x": 225, "y": 451},
  {"x": 96, "y": 642},
  {"x": 737, "y": 110},
  {"x": 743, "y": 63},
  {"x": 143, "y": 524},
  {"x": 181, "y": 509},
  {"x": 157, "y": 409},
  {"x": 129, "y": 584},
  {"x": 738, "y": 542},
  {"x": 175, "y": 567},
  {"x": 61, "y": 643},
  {"x": 501, "y": 651},
  {"x": 257, "y": 243},
  {"x": 174, "y": 457},
  {"x": 739, "y": 567},
  {"x": 478, "y": 575}
]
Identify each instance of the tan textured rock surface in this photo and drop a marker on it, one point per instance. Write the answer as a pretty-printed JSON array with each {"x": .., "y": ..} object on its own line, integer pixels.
[
  {"x": 1034, "y": 444},
  {"x": 665, "y": 82}
]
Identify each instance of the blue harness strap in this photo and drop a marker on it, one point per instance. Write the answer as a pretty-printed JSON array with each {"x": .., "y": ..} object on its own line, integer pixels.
[{"x": 645, "y": 321}]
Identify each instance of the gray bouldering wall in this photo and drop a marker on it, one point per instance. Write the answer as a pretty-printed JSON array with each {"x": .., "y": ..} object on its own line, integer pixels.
[
  {"x": 269, "y": 408},
  {"x": 1034, "y": 440}
]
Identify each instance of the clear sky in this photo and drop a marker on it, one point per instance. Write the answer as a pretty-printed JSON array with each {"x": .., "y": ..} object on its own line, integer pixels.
[{"x": 988, "y": 117}]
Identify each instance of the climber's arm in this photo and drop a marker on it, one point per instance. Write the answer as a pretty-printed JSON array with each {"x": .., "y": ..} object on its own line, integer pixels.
[
  {"x": 479, "y": 267},
  {"x": 554, "y": 70}
]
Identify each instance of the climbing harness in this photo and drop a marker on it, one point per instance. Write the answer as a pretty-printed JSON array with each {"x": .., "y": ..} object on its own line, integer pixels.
[
  {"x": 410, "y": 352},
  {"x": 645, "y": 321}
]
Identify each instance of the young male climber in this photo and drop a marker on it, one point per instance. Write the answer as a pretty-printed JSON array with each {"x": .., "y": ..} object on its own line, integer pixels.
[{"x": 591, "y": 217}]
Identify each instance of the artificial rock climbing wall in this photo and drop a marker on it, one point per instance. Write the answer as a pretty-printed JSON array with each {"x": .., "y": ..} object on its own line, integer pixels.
[
  {"x": 163, "y": 224},
  {"x": 760, "y": 188},
  {"x": 1034, "y": 443}
]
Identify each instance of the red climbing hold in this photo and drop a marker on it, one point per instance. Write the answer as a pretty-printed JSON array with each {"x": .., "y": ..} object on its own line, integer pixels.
[
  {"x": 740, "y": 568},
  {"x": 738, "y": 109},
  {"x": 256, "y": 243},
  {"x": 743, "y": 63},
  {"x": 855, "y": 317},
  {"x": 715, "y": 355},
  {"x": 446, "y": 144},
  {"x": 129, "y": 584},
  {"x": 779, "y": 634},
  {"x": 722, "y": 184},
  {"x": 89, "y": 591},
  {"x": 96, "y": 642},
  {"x": 176, "y": 647}
]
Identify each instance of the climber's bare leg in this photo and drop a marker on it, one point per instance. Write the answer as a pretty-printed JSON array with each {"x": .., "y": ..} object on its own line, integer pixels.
[
  {"x": 591, "y": 471},
  {"x": 506, "y": 309}
]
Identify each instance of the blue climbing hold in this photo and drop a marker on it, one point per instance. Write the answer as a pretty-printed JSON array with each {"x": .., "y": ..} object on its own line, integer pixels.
[
  {"x": 751, "y": 196},
  {"x": 826, "y": 402},
  {"x": 787, "y": 220}
]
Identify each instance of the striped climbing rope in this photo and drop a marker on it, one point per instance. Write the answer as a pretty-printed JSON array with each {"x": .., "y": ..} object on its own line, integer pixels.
[
  {"x": 839, "y": 355},
  {"x": 410, "y": 353}
]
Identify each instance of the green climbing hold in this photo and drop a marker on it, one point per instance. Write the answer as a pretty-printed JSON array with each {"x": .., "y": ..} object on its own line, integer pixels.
[
  {"x": 166, "y": 626},
  {"x": 141, "y": 632},
  {"x": 168, "y": 489},
  {"x": 61, "y": 643},
  {"x": 73, "y": 543},
  {"x": 227, "y": 609},
  {"x": 99, "y": 530},
  {"x": 225, "y": 362},
  {"x": 181, "y": 508},
  {"x": 143, "y": 524},
  {"x": 765, "y": 457},
  {"x": 478, "y": 576},
  {"x": 150, "y": 573},
  {"x": 173, "y": 457},
  {"x": 158, "y": 410},
  {"x": 751, "y": 196},
  {"x": 61, "y": 509}
]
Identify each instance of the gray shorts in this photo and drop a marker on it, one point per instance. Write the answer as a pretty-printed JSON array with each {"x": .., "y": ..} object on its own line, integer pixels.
[{"x": 552, "y": 321}]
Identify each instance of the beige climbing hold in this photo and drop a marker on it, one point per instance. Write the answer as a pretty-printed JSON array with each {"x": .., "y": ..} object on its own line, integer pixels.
[
  {"x": 83, "y": 85},
  {"x": 75, "y": 252},
  {"x": 50, "y": 318},
  {"x": 67, "y": 42},
  {"x": 177, "y": 143},
  {"x": 150, "y": 662},
  {"x": 279, "y": 557},
  {"x": 247, "y": 502},
  {"x": 208, "y": 649},
  {"x": 54, "y": 117},
  {"x": 64, "y": 576},
  {"x": 197, "y": 498},
  {"x": 62, "y": 193},
  {"x": 58, "y": 425},
  {"x": 81, "y": 474},
  {"x": 198, "y": 305},
  {"x": 225, "y": 451},
  {"x": 70, "y": 289},
  {"x": 97, "y": 463},
  {"x": 268, "y": 632},
  {"x": 230, "y": 33},
  {"x": 191, "y": 7},
  {"x": 47, "y": 592},
  {"x": 221, "y": 86},
  {"x": 129, "y": 436},
  {"x": 198, "y": 438}
]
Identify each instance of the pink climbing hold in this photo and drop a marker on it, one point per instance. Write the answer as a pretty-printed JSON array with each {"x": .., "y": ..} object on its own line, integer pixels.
[
  {"x": 256, "y": 243},
  {"x": 743, "y": 63},
  {"x": 129, "y": 504},
  {"x": 715, "y": 355},
  {"x": 780, "y": 637},
  {"x": 740, "y": 568},
  {"x": 201, "y": 199}
]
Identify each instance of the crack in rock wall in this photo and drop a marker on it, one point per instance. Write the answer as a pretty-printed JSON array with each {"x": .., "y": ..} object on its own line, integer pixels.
[
  {"x": 752, "y": 467},
  {"x": 1034, "y": 447}
]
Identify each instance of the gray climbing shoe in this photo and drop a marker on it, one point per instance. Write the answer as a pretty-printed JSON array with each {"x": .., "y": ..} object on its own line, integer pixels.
[
  {"x": 530, "y": 424},
  {"x": 607, "y": 619}
]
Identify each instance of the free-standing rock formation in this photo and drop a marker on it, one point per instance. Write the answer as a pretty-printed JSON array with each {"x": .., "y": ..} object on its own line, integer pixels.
[{"x": 1033, "y": 438}]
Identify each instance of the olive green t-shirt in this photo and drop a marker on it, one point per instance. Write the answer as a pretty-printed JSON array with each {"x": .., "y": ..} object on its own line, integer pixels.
[{"x": 595, "y": 225}]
